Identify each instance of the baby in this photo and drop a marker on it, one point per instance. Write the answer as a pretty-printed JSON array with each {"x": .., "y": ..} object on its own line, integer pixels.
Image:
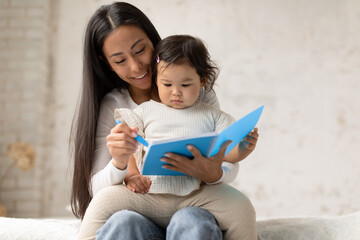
[{"x": 182, "y": 70}]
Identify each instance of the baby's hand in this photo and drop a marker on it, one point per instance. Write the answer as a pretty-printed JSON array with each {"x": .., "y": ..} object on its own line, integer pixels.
[
  {"x": 250, "y": 140},
  {"x": 138, "y": 183}
]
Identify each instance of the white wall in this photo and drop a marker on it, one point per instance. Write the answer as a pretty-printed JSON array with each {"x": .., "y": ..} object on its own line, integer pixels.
[
  {"x": 301, "y": 59},
  {"x": 24, "y": 101}
]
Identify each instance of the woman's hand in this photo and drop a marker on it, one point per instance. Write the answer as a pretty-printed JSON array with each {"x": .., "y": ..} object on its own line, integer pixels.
[
  {"x": 205, "y": 169},
  {"x": 138, "y": 183},
  {"x": 121, "y": 144}
]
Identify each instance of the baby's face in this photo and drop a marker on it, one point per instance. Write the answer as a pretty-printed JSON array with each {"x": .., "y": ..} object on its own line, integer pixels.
[{"x": 178, "y": 84}]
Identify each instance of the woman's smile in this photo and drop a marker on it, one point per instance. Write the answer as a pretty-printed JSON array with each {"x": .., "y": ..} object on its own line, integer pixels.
[{"x": 141, "y": 76}]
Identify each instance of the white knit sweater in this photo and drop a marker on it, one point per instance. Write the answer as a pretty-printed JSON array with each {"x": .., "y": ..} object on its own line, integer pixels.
[{"x": 158, "y": 121}]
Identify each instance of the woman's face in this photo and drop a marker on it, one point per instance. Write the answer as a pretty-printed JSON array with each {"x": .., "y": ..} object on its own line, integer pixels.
[{"x": 128, "y": 51}]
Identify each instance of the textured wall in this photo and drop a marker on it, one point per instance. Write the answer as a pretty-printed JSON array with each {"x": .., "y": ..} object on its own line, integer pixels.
[
  {"x": 301, "y": 59},
  {"x": 24, "y": 100}
]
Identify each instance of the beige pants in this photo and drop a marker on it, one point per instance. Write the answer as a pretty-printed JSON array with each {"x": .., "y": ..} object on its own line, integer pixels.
[{"x": 232, "y": 209}]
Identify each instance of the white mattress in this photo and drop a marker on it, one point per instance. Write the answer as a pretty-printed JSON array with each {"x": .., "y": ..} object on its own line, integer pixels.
[{"x": 345, "y": 227}]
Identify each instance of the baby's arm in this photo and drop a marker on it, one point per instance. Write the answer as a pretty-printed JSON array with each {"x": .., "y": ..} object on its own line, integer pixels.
[
  {"x": 244, "y": 148},
  {"x": 134, "y": 180}
]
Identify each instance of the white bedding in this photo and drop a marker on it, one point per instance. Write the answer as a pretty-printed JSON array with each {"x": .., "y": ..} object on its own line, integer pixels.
[{"x": 345, "y": 227}]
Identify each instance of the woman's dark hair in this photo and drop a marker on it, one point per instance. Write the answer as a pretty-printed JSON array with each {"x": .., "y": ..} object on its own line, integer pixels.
[
  {"x": 177, "y": 49},
  {"x": 98, "y": 80}
]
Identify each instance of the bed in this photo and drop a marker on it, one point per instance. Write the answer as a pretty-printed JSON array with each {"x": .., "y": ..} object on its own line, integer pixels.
[{"x": 346, "y": 227}]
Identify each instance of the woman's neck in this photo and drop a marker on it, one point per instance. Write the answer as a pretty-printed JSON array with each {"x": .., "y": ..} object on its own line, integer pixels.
[{"x": 143, "y": 95}]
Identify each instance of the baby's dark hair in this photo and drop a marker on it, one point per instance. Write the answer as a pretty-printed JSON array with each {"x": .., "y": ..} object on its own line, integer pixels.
[{"x": 177, "y": 49}]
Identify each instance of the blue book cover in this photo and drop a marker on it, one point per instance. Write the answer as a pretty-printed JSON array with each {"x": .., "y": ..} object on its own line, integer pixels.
[{"x": 208, "y": 144}]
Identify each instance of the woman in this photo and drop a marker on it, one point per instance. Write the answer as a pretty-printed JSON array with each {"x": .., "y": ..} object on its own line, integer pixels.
[{"x": 119, "y": 45}]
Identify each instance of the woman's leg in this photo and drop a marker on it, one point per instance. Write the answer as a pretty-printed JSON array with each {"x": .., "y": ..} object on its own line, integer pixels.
[
  {"x": 232, "y": 210},
  {"x": 158, "y": 208},
  {"x": 193, "y": 223},
  {"x": 130, "y": 225}
]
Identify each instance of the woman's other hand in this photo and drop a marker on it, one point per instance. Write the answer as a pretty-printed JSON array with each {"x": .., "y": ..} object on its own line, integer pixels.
[
  {"x": 121, "y": 144},
  {"x": 205, "y": 169}
]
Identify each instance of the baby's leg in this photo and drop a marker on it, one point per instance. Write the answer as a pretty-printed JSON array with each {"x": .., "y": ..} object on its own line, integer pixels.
[
  {"x": 157, "y": 207},
  {"x": 232, "y": 210}
]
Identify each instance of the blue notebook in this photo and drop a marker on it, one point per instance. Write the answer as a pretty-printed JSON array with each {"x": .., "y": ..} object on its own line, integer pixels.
[{"x": 208, "y": 144}]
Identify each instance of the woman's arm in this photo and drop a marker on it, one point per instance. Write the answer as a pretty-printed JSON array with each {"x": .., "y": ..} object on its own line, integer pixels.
[
  {"x": 113, "y": 146},
  {"x": 108, "y": 176}
]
